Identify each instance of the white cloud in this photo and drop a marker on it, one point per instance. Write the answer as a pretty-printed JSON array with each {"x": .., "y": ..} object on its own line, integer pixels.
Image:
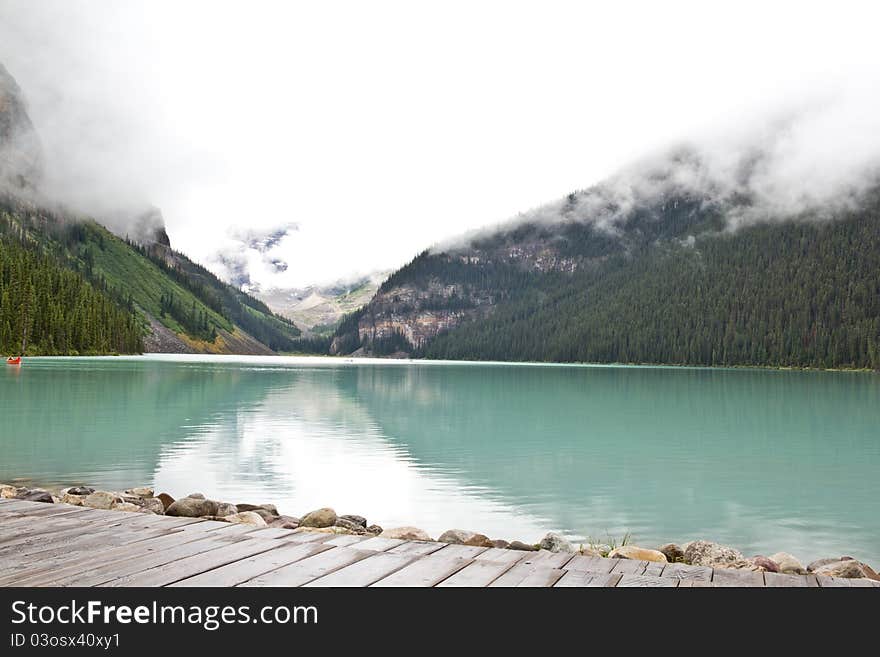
[{"x": 380, "y": 128}]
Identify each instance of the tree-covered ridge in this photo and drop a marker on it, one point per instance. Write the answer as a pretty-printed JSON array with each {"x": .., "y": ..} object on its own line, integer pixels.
[
  {"x": 146, "y": 283},
  {"x": 50, "y": 310},
  {"x": 803, "y": 294},
  {"x": 666, "y": 283}
]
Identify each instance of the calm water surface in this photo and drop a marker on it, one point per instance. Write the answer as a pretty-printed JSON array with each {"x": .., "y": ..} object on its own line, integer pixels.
[{"x": 762, "y": 460}]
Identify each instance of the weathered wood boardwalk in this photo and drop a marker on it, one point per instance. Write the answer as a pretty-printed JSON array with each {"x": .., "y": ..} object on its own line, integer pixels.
[{"x": 60, "y": 545}]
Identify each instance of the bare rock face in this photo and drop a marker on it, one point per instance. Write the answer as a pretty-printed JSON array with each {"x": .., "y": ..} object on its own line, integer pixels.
[{"x": 21, "y": 154}]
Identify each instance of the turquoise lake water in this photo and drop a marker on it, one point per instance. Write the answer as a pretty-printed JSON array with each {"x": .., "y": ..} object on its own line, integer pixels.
[{"x": 761, "y": 460}]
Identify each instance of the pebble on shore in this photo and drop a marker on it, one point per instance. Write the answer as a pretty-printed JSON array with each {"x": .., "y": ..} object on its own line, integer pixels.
[{"x": 195, "y": 505}]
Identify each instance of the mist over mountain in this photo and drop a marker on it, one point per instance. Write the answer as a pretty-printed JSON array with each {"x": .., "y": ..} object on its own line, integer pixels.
[
  {"x": 70, "y": 286},
  {"x": 318, "y": 309},
  {"x": 753, "y": 254}
]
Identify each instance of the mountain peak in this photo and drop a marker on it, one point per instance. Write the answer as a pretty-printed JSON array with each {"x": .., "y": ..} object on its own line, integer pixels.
[{"x": 21, "y": 154}]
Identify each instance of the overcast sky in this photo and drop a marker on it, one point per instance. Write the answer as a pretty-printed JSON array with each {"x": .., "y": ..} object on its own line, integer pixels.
[{"x": 371, "y": 130}]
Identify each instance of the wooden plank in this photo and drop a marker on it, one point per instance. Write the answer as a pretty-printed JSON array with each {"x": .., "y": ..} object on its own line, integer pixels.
[
  {"x": 202, "y": 562},
  {"x": 541, "y": 577},
  {"x": 39, "y": 532},
  {"x": 71, "y": 544},
  {"x": 48, "y": 571},
  {"x": 308, "y": 537},
  {"x": 380, "y": 544},
  {"x": 861, "y": 582},
  {"x": 548, "y": 559},
  {"x": 427, "y": 571},
  {"x": 629, "y": 567},
  {"x": 232, "y": 530},
  {"x": 417, "y": 548},
  {"x": 582, "y": 563},
  {"x": 575, "y": 578},
  {"x": 735, "y": 577},
  {"x": 499, "y": 555},
  {"x": 311, "y": 568},
  {"x": 607, "y": 580},
  {"x": 527, "y": 574},
  {"x": 477, "y": 574},
  {"x": 693, "y": 583},
  {"x": 25, "y": 507},
  {"x": 268, "y": 532},
  {"x": 684, "y": 571},
  {"x": 53, "y": 530},
  {"x": 85, "y": 572},
  {"x": 780, "y": 580},
  {"x": 646, "y": 581},
  {"x": 137, "y": 563},
  {"x": 366, "y": 571},
  {"x": 344, "y": 540},
  {"x": 655, "y": 568},
  {"x": 240, "y": 571},
  {"x": 462, "y": 551},
  {"x": 826, "y": 582}
]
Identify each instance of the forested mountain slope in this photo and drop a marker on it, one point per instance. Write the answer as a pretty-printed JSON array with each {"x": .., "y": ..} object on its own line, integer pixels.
[
  {"x": 669, "y": 281},
  {"x": 175, "y": 304},
  {"x": 70, "y": 286}
]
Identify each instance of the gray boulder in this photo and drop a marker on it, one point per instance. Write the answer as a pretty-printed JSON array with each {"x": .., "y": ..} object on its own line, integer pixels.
[
  {"x": 35, "y": 495},
  {"x": 325, "y": 517},
  {"x": 672, "y": 551},
  {"x": 358, "y": 520},
  {"x": 455, "y": 536},
  {"x": 849, "y": 569},
  {"x": 78, "y": 490},
  {"x": 765, "y": 563},
  {"x": 788, "y": 564},
  {"x": 519, "y": 545},
  {"x": 353, "y": 527},
  {"x": 555, "y": 543},
  {"x": 818, "y": 563},
  {"x": 101, "y": 499},
  {"x": 406, "y": 534},
  {"x": 225, "y": 509},
  {"x": 245, "y": 518},
  {"x": 192, "y": 507},
  {"x": 706, "y": 553},
  {"x": 140, "y": 491}
]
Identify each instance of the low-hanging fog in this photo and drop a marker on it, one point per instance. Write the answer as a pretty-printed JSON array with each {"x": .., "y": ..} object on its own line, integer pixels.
[{"x": 288, "y": 144}]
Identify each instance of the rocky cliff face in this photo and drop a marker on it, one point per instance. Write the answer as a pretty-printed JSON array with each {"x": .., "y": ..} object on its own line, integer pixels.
[{"x": 21, "y": 154}]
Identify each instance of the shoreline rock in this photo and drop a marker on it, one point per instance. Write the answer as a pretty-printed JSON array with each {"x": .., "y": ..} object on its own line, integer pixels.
[{"x": 143, "y": 499}]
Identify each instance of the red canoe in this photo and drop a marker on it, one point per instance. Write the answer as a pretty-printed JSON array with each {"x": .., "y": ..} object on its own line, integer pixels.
[{"x": 13, "y": 361}]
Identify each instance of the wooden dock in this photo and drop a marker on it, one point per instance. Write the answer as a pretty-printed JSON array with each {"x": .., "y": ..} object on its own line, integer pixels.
[{"x": 61, "y": 545}]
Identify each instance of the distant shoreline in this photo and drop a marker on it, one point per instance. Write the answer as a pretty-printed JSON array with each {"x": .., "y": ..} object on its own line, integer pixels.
[{"x": 368, "y": 360}]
